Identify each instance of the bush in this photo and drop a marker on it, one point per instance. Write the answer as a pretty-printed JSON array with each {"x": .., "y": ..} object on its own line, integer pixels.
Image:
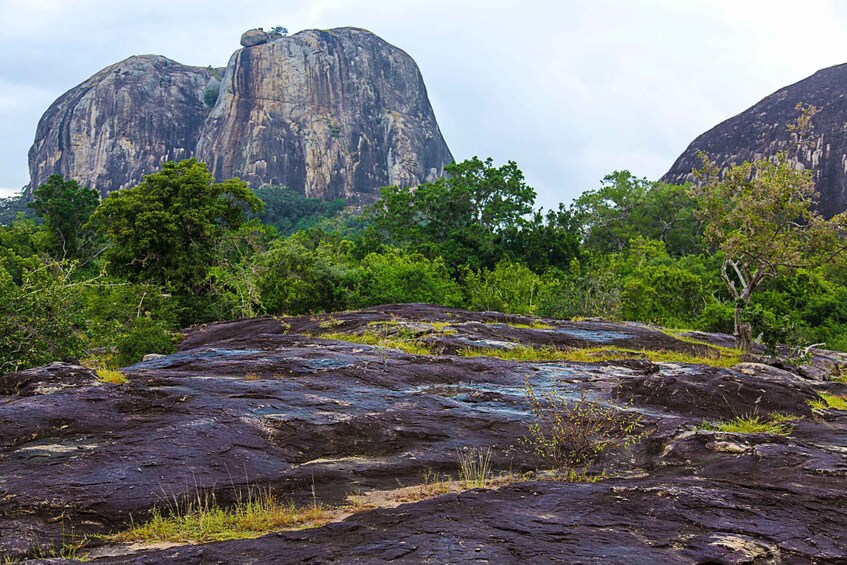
[
  {"x": 394, "y": 276},
  {"x": 571, "y": 434},
  {"x": 511, "y": 288},
  {"x": 41, "y": 318},
  {"x": 144, "y": 336}
]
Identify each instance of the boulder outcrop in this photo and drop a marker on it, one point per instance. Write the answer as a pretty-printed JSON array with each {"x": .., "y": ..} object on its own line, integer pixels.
[
  {"x": 330, "y": 113},
  {"x": 269, "y": 402},
  {"x": 761, "y": 131},
  {"x": 122, "y": 123}
]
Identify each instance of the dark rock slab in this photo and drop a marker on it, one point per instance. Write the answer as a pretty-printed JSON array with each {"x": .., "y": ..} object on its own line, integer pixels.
[
  {"x": 639, "y": 521},
  {"x": 260, "y": 402}
]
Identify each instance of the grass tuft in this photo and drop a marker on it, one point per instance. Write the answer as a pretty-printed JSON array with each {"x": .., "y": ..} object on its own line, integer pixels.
[
  {"x": 827, "y": 401},
  {"x": 111, "y": 376},
  {"x": 201, "y": 519},
  {"x": 776, "y": 423},
  {"x": 475, "y": 467}
]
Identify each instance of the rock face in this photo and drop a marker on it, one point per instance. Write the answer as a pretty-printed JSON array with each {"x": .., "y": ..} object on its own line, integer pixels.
[
  {"x": 263, "y": 402},
  {"x": 335, "y": 113},
  {"x": 761, "y": 131},
  {"x": 123, "y": 122},
  {"x": 332, "y": 111}
]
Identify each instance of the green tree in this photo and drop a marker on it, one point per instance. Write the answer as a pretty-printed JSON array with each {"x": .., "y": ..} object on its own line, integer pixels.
[
  {"x": 40, "y": 314},
  {"x": 626, "y": 207},
  {"x": 167, "y": 229},
  {"x": 289, "y": 211},
  {"x": 761, "y": 217},
  {"x": 66, "y": 207},
  {"x": 459, "y": 217}
]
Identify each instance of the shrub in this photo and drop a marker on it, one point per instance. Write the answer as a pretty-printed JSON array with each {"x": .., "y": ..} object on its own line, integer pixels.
[
  {"x": 394, "y": 276},
  {"x": 143, "y": 336},
  {"x": 571, "y": 434},
  {"x": 511, "y": 288}
]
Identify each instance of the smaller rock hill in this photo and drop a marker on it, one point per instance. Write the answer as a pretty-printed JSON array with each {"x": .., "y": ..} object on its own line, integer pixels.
[{"x": 761, "y": 131}]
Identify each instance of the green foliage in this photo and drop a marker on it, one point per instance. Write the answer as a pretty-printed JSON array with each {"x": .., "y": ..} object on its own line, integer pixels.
[
  {"x": 626, "y": 207},
  {"x": 11, "y": 207},
  {"x": 761, "y": 217},
  {"x": 40, "y": 315},
  {"x": 459, "y": 217},
  {"x": 307, "y": 272},
  {"x": 394, "y": 276},
  {"x": 166, "y": 230},
  {"x": 510, "y": 287},
  {"x": 144, "y": 335},
  {"x": 289, "y": 211},
  {"x": 66, "y": 208},
  {"x": 546, "y": 243}
]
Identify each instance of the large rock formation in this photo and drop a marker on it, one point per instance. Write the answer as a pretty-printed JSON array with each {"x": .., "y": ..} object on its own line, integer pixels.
[
  {"x": 329, "y": 113},
  {"x": 122, "y": 123},
  {"x": 761, "y": 131}
]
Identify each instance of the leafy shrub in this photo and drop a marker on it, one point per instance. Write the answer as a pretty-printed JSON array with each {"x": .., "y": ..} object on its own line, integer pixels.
[
  {"x": 41, "y": 317},
  {"x": 143, "y": 336},
  {"x": 571, "y": 434},
  {"x": 716, "y": 317},
  {"x": 394, "y": 276},
  {"x": 510, "y": 287}
]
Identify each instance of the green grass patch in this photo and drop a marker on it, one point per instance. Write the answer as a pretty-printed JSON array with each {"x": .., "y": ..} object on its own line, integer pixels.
[
  {"x": 407, "y": 345},
  {"x": 598, "y": 354},
  {"x": 111, "y": 376},
  {"x": 776, "y": 423},
  {"x": 200, "y": 519},
  {"x": 827, "y": 401},
  {"x": 535, "y": 325}
]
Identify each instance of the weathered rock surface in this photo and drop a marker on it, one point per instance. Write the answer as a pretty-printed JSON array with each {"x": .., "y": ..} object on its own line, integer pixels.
[
  {"x": 330, "y": 113},
  {"x": 335, "y": 112},
  {"x": 122, "y": 123},
  {"x": 761, "y": 131},
  {"x": 260, "y": 402}
]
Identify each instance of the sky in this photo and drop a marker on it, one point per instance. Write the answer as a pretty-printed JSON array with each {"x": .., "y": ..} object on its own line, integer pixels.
[{"x": 571, "y": 90}]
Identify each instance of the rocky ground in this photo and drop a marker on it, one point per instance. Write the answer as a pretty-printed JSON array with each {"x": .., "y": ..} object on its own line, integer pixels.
[{"x": 267, "y": 402}]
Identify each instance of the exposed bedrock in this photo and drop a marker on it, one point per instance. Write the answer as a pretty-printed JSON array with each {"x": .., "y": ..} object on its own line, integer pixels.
[
  {"x": 762, "y": 130},
  {"x": 263, "y": 402}
]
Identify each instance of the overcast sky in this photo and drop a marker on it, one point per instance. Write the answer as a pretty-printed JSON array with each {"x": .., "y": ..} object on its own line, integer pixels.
[{"x": 571, "y": 90}]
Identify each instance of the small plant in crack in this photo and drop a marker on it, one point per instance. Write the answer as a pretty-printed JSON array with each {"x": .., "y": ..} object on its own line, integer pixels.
[{"x": 570, "y": 434}]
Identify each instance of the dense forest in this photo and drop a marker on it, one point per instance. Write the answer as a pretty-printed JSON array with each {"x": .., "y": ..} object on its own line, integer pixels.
[{"x": 109, "y": 281}]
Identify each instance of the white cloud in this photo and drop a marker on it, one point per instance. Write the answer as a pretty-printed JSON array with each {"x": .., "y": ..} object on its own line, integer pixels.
[{"x": 571, "y": 90}]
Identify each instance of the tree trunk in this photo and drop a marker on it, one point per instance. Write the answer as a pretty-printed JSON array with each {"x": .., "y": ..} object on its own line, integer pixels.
[{"x": 743, "y": 331}]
